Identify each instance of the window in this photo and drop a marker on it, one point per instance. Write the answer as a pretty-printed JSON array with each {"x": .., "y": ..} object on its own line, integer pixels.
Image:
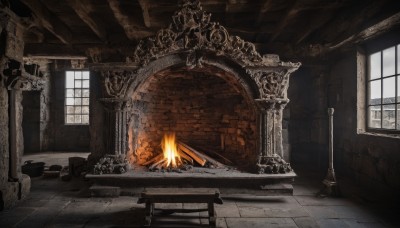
[
  {"x": 384, "y": 89},
  {"x": 77, "y": 97}
]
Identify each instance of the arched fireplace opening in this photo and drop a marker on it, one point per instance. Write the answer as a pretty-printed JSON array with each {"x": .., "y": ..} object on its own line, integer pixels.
[
  {"x": 220, "y": 73},
  {"x": 206, "y": 108}
]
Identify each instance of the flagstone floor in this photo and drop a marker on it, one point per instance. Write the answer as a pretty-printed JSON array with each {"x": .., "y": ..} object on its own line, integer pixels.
[{"x": 55, "y": 203}]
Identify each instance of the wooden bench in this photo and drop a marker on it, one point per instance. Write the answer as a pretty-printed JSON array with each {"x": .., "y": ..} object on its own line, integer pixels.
[{"x": 150, "y": 196}]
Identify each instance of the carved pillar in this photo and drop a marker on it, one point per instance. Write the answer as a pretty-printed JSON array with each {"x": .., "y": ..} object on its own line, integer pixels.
[
  {"x": 272, "y": 84},
  {"x": 116, "y": 124},
  {"x": 117, "y": 106},
  {"x": 271, "y": 149}
]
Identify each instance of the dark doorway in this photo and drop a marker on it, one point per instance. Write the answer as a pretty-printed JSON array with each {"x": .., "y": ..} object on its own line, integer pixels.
[{"x": 31, "y": 121}]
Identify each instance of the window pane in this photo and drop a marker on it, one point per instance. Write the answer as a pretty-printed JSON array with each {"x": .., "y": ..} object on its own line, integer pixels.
[
  {"x": 374, "y": 113},
  {"x": 85, "y": 84},
  {"x": 375, "y": 65},
  {"x": 398, "y": 59},
  {"x": 389, "y": 90},
  {"x": 78, "y": 110},
  {"x": 70, "y": 109},
  {"x": 78, "y": 119},
  {"x": 85, "y": 119},
  {"x": 389, "y": 117},
  {"x": 78, "y": 83},
  {"x": 69, "y": 93},
  {"x": 85, "y": 109},
  {"x": 70, "y": 119},
  {"x": 85, "y": 101},
  {"x": 85, "y": 93},
  {"x": 75, "y": 112},
  {"x": 69, "y": 101},
  {"x": 389, "y": 58},
  {"x": 398, "y": 117},
  {"x": 78, "y": 75},
  {"x": 78, "y": 101},
  {"x": 85, "y": 74},
  {"x": 78, "y": 93},
  {"x": 375, "y": 92},
  {"x": 398, "y": 88},
  {"x": 69, "y": 79}
]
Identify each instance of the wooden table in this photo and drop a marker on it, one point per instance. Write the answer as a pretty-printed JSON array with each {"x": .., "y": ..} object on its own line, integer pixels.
[{"x": 150, "y": 196}]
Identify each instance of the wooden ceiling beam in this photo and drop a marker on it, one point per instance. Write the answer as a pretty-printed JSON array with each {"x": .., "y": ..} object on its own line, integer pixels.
[
  {"x": 132, "y": 29},
  {"x": 145, "y": 9},
  {"x": 49, "y": 21},
  {"x": 316, "y": 22},
  {"x": 266, "y": 6},
  {"x": 357, "y": 21},
  {"x": 369, "y": 33},
  {"x": 83, "y": 11},
  {"x": 291, "y": 12},
  {"x": 349, "y": 19}
]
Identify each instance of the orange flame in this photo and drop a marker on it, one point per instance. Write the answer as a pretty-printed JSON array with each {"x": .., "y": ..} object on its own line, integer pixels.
[{"x": 170, "y": 150}]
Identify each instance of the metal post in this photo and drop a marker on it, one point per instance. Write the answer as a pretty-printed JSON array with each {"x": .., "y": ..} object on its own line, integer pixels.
[{"x": 331, "y": 186}]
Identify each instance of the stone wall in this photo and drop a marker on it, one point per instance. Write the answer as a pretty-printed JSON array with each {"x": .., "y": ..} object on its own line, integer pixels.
[
  {"x": 204, "y": 111},
  {"x": 372, "y": 160},
  {"x": 308, "y": 125},
  {"x": 14, "y": 185}
]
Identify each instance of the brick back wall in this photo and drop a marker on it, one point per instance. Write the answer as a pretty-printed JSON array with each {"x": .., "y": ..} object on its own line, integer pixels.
[{"x": 203, "y": 111}]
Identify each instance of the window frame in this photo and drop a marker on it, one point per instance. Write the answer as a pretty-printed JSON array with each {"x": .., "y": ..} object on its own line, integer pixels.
[
  {"x": 81, "y": 105},
  {"x": 381, "y": 78}
]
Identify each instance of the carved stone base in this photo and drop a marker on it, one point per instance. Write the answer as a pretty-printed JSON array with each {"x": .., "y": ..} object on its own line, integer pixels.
[
  {"x": 111, "y": 164},
  {"x": 273, "y": 165},
  {"x": 331, "y": 187}
]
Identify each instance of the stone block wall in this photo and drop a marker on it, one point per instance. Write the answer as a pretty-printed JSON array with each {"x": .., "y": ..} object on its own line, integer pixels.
[
  {"x": 203, "y": 111},
  {"x": 308, "y": 123}
]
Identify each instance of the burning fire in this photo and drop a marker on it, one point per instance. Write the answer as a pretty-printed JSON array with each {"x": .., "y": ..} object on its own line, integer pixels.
[{"x": 170, "y": 150}]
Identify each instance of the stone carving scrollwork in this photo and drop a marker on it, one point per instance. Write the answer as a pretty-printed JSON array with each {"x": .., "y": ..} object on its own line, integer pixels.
[
  {"x": 116, "y": 83},
  {"x": 271, "y": 84},
  {"x": 191, "y": 29},
  {"x": 17, "y": 78}
]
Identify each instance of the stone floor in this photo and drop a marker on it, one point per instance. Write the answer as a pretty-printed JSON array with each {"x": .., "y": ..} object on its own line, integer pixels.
[{"x": 54, "y": 203}]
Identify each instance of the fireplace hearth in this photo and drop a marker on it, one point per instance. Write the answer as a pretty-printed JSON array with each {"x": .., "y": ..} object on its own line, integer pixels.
[{"x": 214, "y": 91}]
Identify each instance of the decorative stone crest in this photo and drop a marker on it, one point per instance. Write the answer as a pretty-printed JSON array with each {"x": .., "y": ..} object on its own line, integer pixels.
[
  {"x": 116, "y": 83},
  {"x": 271, "y": 84},
  {"x": 17, "y": 78},
  {"x": 193, "y": 30}
]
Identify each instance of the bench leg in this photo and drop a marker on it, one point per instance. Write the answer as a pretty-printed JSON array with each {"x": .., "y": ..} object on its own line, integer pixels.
[
  {"x": 212, "y": 217},
  {"x": 149, "y": 213}
]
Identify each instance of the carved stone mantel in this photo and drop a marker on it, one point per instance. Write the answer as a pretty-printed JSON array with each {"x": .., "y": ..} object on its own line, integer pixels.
[{"x": 192, "y": 36}]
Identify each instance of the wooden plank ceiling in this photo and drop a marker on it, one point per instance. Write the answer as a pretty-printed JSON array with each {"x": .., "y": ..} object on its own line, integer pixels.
[{"x": 273, "y": 25}]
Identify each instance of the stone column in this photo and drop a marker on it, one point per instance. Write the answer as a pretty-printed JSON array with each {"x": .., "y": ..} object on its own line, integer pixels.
[
  {"x": 117, "y": 117},
  {"x": 271, "y": 149},
  {"x": 116, "y": 124}
]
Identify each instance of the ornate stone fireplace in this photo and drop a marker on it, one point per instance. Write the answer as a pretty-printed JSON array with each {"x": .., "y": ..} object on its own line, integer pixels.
[{"x": 213, "y": 89}]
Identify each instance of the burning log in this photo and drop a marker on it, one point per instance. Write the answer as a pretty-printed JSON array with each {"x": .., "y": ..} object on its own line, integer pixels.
[
  {"x": 192, "y": 153},
  {"x": 197, "y": 153},
  {"x": 185, "y": 156},
  {"x": 151, "y": 161},
  {"x": 213, "y": 152},
  {"x": 156, "y": 164}
]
